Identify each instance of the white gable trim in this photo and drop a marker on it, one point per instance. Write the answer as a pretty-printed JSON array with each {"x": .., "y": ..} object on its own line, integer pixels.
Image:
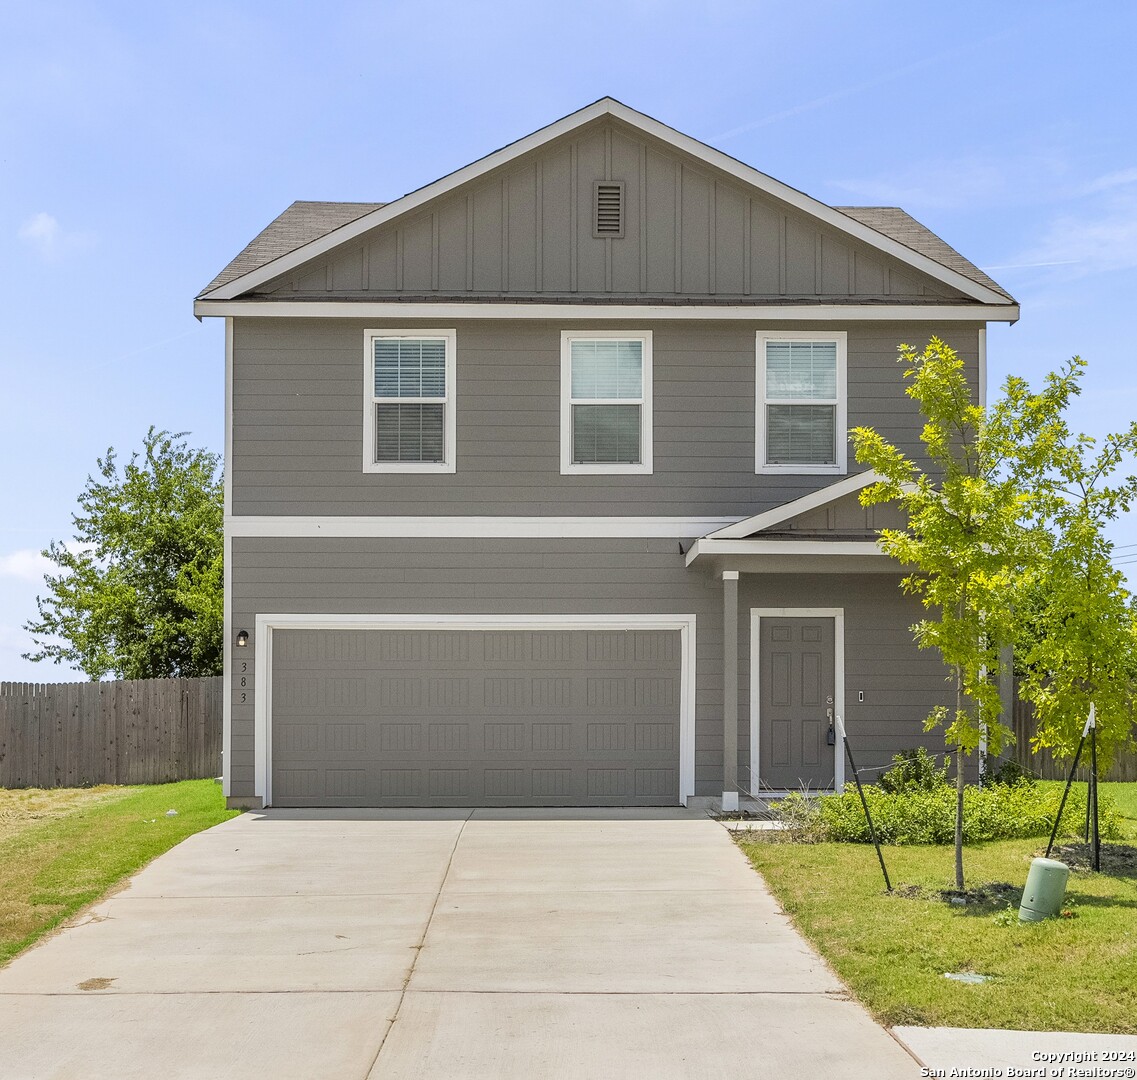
[
  {"x": 868, "y": 550},
  {"x": 821, "y": 497},
  {"x": 449, "y": 312},
  {"x": 610, "y": 107}
]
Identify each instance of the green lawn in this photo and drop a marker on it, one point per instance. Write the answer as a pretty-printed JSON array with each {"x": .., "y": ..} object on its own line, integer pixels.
[
  {"x": 1069, "y": 974},
  {"x": 64, "y": 849},
  {"x": 1124, "y": 797}
]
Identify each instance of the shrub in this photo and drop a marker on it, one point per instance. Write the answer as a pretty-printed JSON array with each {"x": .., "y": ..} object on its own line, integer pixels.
[
  {"x": 1007, "y": 772},
  {"x": 914, "y": 770},
  {"x": 800, "y": 816},
  {"x": 927, "y": 815}
]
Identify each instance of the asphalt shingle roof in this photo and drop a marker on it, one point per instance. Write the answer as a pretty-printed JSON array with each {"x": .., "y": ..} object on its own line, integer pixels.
[
  {"x": 300, "y": 224},
  {"x": 900, "y": 226}
]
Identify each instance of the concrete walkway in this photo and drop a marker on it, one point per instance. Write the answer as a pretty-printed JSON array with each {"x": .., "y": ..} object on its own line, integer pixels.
[{"x": 439, "y": 945}]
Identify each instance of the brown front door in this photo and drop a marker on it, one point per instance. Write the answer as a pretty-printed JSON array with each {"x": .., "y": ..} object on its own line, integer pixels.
[{"x": 795, "y": 696}]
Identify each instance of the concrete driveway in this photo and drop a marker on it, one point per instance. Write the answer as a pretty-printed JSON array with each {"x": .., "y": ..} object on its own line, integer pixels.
[{"x": 439, "y": 945}]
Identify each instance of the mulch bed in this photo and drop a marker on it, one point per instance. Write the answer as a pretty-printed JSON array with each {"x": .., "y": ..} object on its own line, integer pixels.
[
  {"x": 989, "y": 894},
  {"x": 1118, "y": 859}
]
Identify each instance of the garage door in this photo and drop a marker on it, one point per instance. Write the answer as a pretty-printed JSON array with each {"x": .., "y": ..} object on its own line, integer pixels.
[{"x": 475, "y": 718}]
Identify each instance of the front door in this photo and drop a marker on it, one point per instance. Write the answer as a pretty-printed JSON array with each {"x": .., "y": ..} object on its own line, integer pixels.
[{"x": 795, "y": 703}]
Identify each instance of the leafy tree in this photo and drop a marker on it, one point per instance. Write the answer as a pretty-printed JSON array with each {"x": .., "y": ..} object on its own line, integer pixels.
[
  {"x": 1081, "y": 629},
  {"x": 138, "y": 595},
  {"x": 967, "y": 539}
]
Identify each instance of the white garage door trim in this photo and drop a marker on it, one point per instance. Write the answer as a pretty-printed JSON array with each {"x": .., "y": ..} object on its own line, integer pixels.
[{"x": 266, "y": 624}]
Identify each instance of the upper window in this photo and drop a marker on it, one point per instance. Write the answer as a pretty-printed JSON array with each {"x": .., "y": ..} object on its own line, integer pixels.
[
  {"x": 408, "y": 423},
  {"x": 606, "y": 402},
  {"x": 800, "y": 407}
]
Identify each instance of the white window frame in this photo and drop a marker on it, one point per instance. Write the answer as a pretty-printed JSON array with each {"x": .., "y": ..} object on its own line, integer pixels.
[
  {"x": 841, "y": 432},
  {"x": 605, "y": 468},
  {"x": 449, "y": 410}
]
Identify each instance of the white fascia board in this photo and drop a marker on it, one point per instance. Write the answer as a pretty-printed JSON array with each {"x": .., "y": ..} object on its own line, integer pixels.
[
  {"x": 470, "y": 527},
  {"x": 821, "y": 497},
  {"x": 706, "y": 548},
  {"x": 754, "y": 313},
  {"x": 608, "y": 106}
]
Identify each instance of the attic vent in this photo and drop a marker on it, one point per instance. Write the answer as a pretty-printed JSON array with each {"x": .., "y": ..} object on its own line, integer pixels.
[{"x": 609, "y": 217}]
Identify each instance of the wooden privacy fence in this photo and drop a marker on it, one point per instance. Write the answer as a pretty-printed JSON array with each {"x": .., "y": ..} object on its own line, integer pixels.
[
  {"x": 1043, "y": 764},
  {"x": 139, "y": 731}
]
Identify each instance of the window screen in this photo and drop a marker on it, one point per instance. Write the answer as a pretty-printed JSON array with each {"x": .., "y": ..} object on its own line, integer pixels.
[
  {"x": 607, "y": 398},
  {"x": 410, "y": 399},
  {"x": 805, "y": 372}
]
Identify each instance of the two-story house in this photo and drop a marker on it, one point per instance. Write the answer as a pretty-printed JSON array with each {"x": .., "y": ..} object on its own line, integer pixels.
[{"x": 538, "y": 488}]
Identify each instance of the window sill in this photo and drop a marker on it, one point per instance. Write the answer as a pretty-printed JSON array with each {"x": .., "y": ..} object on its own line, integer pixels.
[
  {"x": 639, "y": 469},
  {"x": 801, "y": 470},
  {"x": 418, "y": 467}
]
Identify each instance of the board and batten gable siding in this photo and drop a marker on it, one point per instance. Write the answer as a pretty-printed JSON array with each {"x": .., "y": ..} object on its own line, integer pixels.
[
  {"x": 845, "y": 518},
  {"x": 526, "y": 229},
  {"x": 298, "y": 420}
]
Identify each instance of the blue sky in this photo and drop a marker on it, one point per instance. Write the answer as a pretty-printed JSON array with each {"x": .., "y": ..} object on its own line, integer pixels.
[{"x": 142, "y": 145}]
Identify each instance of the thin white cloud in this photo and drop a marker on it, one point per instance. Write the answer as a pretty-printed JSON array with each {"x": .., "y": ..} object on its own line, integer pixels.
[
  {"x": 890, "y": 75},
  {"x": 49, "y": 240},
  {"x": 1026, "y": 265},
  {"x": 27, "y": 565},
  {"x": 821, "y": 102},
  {"x": 1099, "y": 237},
  {"x": 1122, "y": 178}
]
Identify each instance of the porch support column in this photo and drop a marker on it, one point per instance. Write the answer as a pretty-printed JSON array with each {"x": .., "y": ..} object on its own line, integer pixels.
[{"x": 730, "y": 690}]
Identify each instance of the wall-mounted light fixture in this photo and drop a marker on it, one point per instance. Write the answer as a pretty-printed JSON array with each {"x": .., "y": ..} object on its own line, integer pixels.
[{"x": 242, "y": 639}]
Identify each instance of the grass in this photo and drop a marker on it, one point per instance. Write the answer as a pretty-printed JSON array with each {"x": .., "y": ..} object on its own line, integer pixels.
[
  {"x": 63, "y": 849},
  {"x": 1068, "y": 974},
  {"x": 1124, "y": 796}
]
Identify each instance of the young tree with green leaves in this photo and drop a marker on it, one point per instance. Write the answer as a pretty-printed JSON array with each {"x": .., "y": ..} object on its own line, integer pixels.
[
  {"x": 968, "y": 537},
  {"x": 138, "y": 595},
  {"x": 1081, "y": 631}
]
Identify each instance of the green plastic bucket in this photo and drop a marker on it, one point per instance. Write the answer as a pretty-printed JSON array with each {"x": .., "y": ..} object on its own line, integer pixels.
[{"x": 1045, "y": 888}]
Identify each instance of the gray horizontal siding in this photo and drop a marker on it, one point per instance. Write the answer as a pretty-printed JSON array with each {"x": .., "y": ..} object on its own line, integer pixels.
[
  {"x": 365, "y": 576},
  {"x": 298, "y": 421},
  {"x": 527, "y": 230}
]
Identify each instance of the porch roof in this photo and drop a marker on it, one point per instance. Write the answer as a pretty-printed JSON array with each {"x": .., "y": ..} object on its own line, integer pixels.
[{"x": 766, "y": 543}]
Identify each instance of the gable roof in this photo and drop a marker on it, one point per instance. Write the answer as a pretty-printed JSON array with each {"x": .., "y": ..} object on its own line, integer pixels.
[
  {"x": 285, "y": 253},
  {"x": 300, "y": 224},
  {"x": 779, "y": 514},
  {"x": 902, "y": 227}
]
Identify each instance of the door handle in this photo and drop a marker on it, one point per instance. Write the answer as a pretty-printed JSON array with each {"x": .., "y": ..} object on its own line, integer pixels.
[{"x": 831, "y": 735}]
